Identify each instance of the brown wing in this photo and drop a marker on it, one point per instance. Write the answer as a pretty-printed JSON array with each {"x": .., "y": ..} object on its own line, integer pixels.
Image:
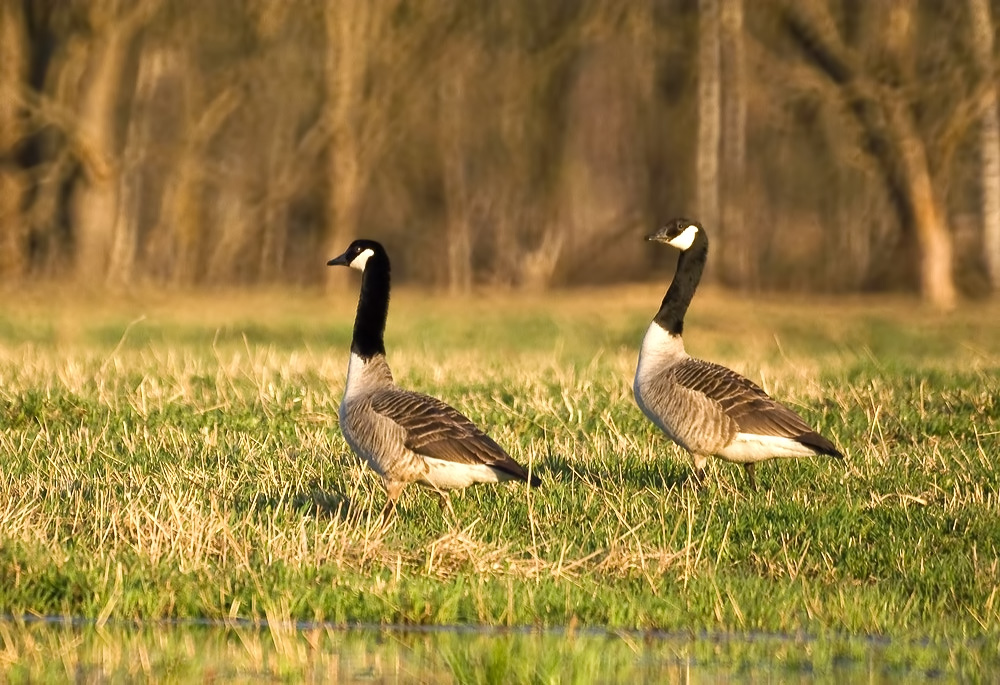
[
  {"x": 747, "y": 404},
  {"x": 437, "y": 430}
]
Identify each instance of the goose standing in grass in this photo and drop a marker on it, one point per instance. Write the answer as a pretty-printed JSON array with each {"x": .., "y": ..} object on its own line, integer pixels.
[
  {"x": 404, "y": 436},
  {"x": 706, "y": 408}
]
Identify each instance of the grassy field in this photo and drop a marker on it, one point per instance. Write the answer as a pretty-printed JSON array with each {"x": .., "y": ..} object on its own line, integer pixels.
[{"x": 169, "y": 457}]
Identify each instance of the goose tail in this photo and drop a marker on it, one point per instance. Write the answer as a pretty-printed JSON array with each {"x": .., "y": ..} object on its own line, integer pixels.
[{"x": 819, "y": 444}]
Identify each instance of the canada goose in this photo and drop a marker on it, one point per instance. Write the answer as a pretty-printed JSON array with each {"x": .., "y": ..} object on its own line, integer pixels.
[
  {"x": 404, "y": 436},
  {"x": 706, "y": 408}
]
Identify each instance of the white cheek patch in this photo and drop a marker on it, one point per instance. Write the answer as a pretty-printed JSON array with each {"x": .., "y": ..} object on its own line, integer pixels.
[
  {"x": 362, "y": 259},
  {"x": 682, "y": 241}
]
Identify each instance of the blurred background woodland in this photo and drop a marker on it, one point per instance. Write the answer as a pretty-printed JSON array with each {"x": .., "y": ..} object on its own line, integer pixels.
[{"x": 827, "y": 145}]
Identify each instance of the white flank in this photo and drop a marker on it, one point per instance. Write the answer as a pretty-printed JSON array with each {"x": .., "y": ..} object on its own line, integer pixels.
[
  {"x": 449, "y": 475},
  {"x": 362, "y": 259},
  {"x": 749, "y": 447},
  {"x": 684, "y": 240}
]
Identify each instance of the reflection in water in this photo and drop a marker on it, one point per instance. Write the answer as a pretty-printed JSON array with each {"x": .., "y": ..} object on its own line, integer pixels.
[{"x": 56, "y": 649}]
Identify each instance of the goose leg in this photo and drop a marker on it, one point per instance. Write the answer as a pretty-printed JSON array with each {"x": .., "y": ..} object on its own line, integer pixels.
[
  {"x": 388, "y": 510},
  {"x": 699, "y": 477},
  {"x": 700, "y": 461},
  {"x": 392, "y": 492},
  {"x": 750, "y": 475},
  {"x": 444, "y": 502}
]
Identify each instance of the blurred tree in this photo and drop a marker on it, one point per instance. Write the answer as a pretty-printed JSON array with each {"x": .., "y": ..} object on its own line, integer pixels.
[
  {"x": 982, "y": 40},
  {"x": 603, "y": 183},
  {"x": 709, "y": 116},
  {"x": 268, "y": 24},
  {"x": 740, "y": 257},
  {"x": 53, "y": 148},
  {"x": 181, "y": 216},
  {"x": 877, "y": 93},
  {"x": 532, "y": 49},
  {"x": 517, "y": 143},
  {"x": 111, "y": 27},
  {"x": 353, "y": 30},
  {"x": 381, "y": 59},
  {"x": 518, "y": 82},
  {"x": 455, "y": 142},
  {"x": 135, "y": 157},
  {"x": 13, "y": 85}
]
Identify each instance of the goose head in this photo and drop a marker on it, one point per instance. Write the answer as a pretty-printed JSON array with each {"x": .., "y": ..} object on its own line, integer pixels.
[
  {"x": 358, "y": 254},
  {"x": 679, "y": 233}
]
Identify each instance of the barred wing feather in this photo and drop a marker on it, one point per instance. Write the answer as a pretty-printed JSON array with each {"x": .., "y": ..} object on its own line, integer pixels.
[
  {"x": 748, "y": 405},
  {"x": 435, "y": 429}
]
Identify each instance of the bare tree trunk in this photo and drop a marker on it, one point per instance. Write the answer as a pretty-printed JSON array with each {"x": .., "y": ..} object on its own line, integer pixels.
[
  {"x": 270, "y": 18},
  {"x": 274, "y": 225},
  {"x": 13, "y": 70},
  {"x": 95, "y": 205},
  {"x": 274, "y": 197},
  {"x": 517, "y": 210},
  {"x": 139, "y": 136},
  {"x": 890, "y": 129},
  {"x": 376, "y": 66},
  {"x": 181, "y": 215},
  {"x": 989, "y": 141},
  {"x": 709, "y": 113},
  {"x": 538, "y": 265},
  {"x": 453, "y": 140},
  {"x": 509, "y": 206},
  {"x": 349, "y": 28},
  {"x": 937, "y": 283},
  {"x": 225, "y": 256},
  {"x": 60, "y": 149},
  {"x": 739, "y": 243}
]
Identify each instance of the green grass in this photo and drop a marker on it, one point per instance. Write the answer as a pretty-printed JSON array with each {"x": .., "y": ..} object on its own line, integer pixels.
[{"x": 180, "y": 458}]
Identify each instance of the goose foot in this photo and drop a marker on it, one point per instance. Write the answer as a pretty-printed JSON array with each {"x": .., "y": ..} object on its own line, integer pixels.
[
  {"x": 392, "y": 492},
  {"x": 388, "y": 511},
  {"x": 444, "y": 502}
]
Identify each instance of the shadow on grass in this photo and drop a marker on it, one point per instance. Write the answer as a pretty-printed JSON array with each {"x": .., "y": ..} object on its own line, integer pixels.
[
  {"x": 657, "y": 475},
  {"x": 316, "y": 502}
]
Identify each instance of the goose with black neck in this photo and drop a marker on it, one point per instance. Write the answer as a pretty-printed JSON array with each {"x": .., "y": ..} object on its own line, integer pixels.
[
  {"x": 407, "y": 437},
  {"x": 708, "y": 409}
]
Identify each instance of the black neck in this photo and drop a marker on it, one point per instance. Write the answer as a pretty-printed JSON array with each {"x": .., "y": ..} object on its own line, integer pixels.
[
  {"x": 690, "y": 264},
  {"x": 373, "y": 308}
]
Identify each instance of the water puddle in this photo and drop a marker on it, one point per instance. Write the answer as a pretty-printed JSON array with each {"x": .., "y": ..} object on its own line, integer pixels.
[{"x": 81, "y": 650}]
